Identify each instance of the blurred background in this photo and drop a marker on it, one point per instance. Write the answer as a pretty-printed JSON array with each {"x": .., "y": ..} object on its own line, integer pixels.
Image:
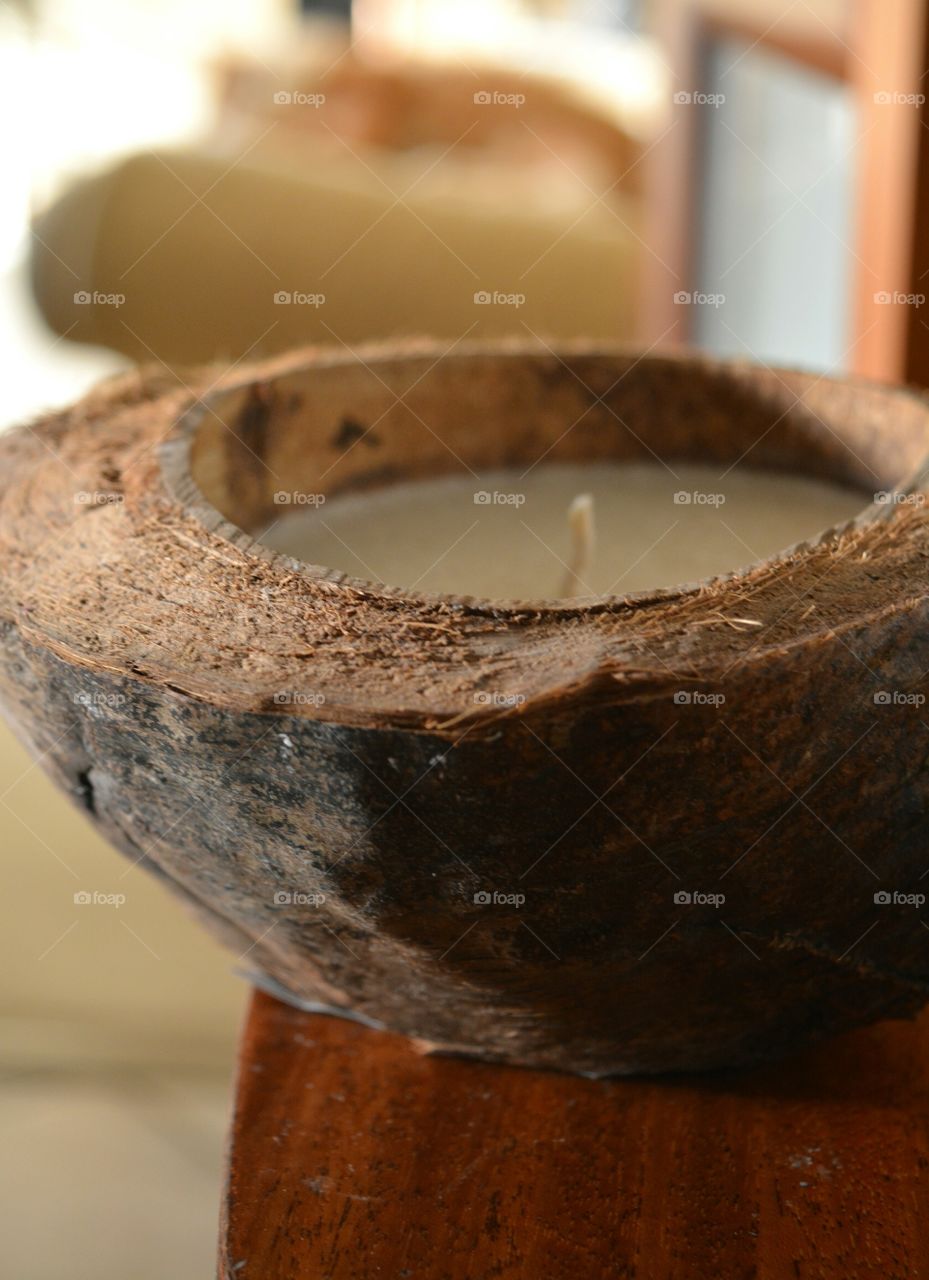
[{"x": 220, "y": 181}]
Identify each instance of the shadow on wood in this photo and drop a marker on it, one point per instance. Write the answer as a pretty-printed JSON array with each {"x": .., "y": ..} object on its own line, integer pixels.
[{"x": 354, "y": 1157}]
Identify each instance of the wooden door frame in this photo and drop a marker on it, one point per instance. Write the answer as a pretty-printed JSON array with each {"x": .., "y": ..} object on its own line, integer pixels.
[{"x": 886, "y": 52}]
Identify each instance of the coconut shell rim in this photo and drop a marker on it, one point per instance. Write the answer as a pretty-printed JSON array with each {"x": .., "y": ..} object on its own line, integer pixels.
[{"x": 606, "y": 671}]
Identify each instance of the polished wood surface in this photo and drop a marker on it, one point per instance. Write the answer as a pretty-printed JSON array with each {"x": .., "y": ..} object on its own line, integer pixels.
[{"x": 353, "y": 1156}]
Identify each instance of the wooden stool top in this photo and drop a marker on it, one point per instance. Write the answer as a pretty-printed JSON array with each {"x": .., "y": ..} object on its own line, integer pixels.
[{"x": 355, "y": 1157}]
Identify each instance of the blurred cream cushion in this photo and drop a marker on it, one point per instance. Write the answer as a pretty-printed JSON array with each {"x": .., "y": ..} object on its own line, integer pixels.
[{"x": 186, "y": 256}]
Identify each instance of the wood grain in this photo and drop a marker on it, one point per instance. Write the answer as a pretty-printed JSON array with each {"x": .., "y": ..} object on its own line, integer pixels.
[{"x": 354, "y": 1157}]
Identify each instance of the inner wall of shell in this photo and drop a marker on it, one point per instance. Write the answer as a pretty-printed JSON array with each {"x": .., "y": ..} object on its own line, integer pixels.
[{"x": 266, "y": 450}]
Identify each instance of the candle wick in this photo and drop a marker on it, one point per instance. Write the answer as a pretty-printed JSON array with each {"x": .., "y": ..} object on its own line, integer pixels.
[{"x": 581, "y": 524}]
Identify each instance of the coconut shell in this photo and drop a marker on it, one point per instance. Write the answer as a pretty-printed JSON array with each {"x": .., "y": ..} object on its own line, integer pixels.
[{"x": 312, "y": 761}]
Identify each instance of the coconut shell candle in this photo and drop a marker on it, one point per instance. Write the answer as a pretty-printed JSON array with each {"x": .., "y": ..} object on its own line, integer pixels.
[{"x": 636, "y": 831}]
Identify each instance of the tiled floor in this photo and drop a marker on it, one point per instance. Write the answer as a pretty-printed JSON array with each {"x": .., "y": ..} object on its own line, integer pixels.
[
  {"x": 117, "y": 1048},
  {"x": 111, "y": 1176}
]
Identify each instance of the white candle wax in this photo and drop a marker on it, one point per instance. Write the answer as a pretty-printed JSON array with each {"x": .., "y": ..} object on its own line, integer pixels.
[{"x": 515, "y": 535}]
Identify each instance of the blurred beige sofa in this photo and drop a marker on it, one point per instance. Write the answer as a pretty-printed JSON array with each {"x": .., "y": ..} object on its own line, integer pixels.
[{"x": 352, "y": 205}]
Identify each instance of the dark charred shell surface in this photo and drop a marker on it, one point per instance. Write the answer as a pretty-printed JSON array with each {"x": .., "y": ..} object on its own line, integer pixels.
[{"x": 306, "y": 759}]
